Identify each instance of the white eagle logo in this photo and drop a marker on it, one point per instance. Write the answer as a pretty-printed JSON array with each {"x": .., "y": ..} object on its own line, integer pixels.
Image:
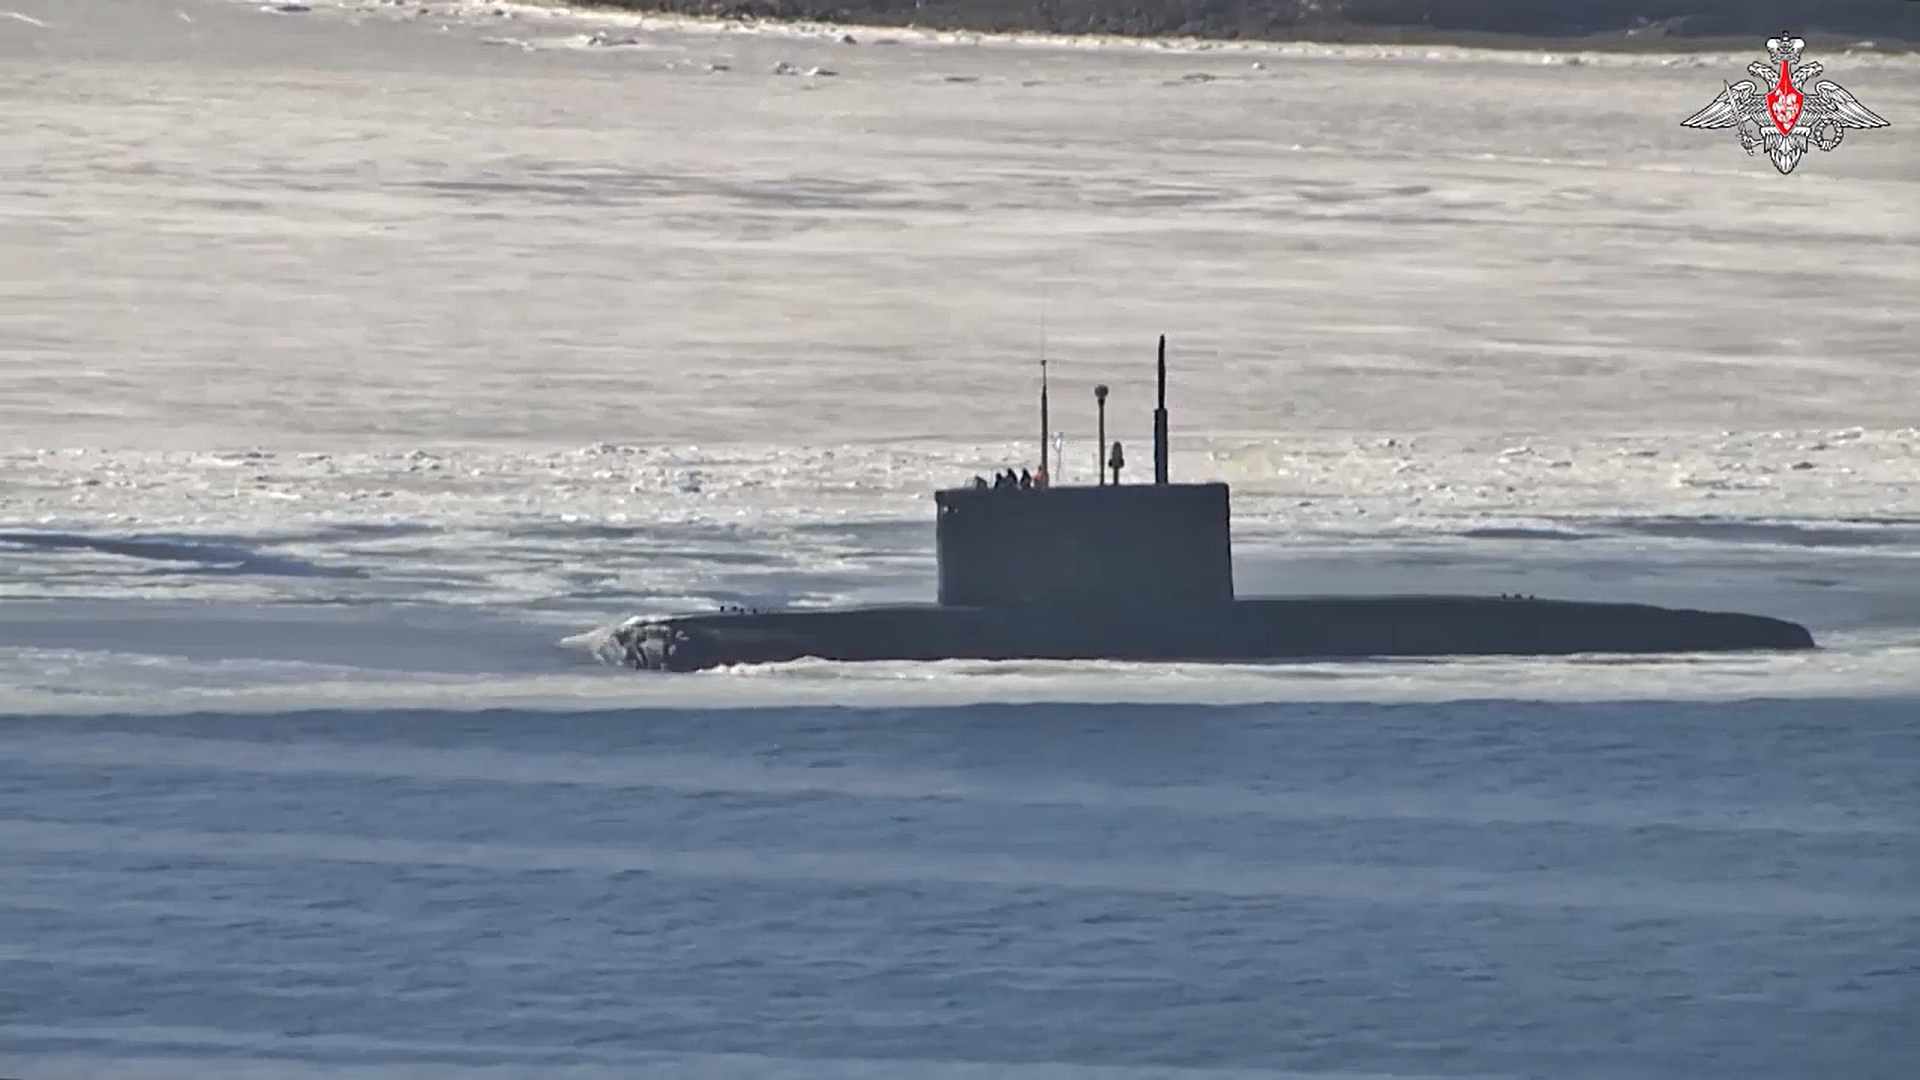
[{"x": 1785, "y": 118}]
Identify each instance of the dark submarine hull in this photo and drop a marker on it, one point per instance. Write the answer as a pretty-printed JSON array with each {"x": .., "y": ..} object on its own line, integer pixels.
[
  {"x": 1144, "y": 572},
  {"x": 1253, "y": 629}
]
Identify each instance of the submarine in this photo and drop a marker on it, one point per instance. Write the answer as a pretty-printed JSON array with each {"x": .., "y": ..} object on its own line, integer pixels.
[{"x": 1144, "y": 572}]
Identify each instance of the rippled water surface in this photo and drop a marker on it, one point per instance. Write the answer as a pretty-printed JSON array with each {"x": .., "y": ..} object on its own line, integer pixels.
[{"x": 1456, "y": 890}]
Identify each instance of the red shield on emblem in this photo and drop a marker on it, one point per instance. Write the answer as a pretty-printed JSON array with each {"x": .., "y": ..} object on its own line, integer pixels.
[{"x": 1785, "y": 101}]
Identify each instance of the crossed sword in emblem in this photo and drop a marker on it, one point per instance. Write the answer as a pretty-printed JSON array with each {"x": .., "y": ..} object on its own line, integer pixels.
[{"x": 1829, "y": 105}]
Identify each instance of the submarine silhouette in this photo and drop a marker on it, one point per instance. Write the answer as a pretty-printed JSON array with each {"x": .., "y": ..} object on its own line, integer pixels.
[{"x": 1144, "y": 572}]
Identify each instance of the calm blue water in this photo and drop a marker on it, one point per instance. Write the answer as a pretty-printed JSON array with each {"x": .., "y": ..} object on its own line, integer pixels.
[{"x": 1483, "y": 889}]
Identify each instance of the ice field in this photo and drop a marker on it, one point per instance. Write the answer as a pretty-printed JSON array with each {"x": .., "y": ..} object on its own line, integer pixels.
[{"x": 358, "y": 363}]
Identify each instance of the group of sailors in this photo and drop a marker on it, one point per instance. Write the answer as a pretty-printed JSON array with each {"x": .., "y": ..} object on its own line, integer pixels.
[{"x": 1024, "y": 480}]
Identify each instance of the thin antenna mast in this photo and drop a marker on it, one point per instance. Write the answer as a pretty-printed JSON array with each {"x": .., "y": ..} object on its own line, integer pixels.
[
  {"x": 1044, "y": 433},
  {"x": 1044, "y": 479},
  {"x": 1160, "y": 421}
]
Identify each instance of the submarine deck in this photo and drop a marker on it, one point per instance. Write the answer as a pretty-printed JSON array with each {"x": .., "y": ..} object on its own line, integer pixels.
[{"x": 1251, "y": 629}]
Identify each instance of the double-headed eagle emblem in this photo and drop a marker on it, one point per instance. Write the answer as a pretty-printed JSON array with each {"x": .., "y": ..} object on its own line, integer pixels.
[{"x": 1785, "y": 118}]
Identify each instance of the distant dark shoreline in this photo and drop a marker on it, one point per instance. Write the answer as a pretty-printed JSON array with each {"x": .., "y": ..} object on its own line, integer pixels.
[{"x": 1703, "y": 26}]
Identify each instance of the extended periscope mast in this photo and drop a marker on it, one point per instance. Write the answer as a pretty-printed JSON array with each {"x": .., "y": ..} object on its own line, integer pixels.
[{"x": 1029, "y": 570}]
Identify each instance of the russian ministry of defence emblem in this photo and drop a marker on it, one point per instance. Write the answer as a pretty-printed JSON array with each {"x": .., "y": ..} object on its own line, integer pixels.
[{"x": 1787, "y": 117}]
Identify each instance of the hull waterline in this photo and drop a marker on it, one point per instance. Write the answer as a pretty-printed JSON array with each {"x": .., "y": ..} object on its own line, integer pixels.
[{"x": 1240, "y": 631}]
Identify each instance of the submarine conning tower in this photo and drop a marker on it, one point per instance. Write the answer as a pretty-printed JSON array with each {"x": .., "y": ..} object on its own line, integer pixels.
[{"x": 1106, "y": 546}]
